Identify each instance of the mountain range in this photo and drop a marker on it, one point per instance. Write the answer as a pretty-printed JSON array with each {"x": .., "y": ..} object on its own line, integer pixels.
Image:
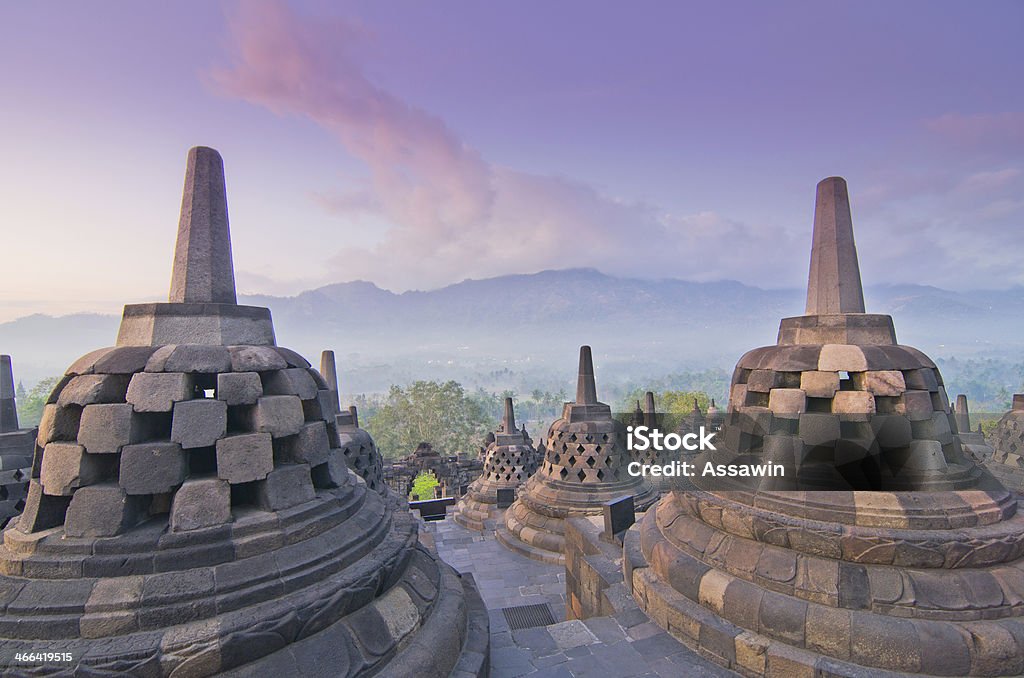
[{"x": 537, "y": 321}]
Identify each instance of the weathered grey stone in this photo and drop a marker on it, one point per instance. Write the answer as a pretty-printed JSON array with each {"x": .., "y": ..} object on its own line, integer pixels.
[
  {"x": 239, "y": 388},
  {"x": 59, "y": 423},
  {"x": 255, "y": 359},
  {"x": 245, "y": 458},
  {"x": 819, "y": 384},
  {"x": 87, "y": 389},
  {"x": 787, "y": 400},
  {"x": 67, "y": 466},
  {"x": 199, "y": 423},
  {"x": 201, "y": 502},
  {"x": 332, "y": 473},
  {"x": 286, "y": 486},
  {"x": 329, "y": 370},
  {"x": 203, "y": 270},
  {"x": 309, "y": 445},
  {"x": 152, "y": 468},
  {"x": 199, "y": 358},
  {"x": 278, "y": 415},
  {"x": 105, "y": 429},
  {"x": 42, "y": 511},
  {"x": 293, "y": 381},
  {"x": 158, "y": 391},
  {"x": 8, "y": 407},
  {"x": 101, "y": 511},
  {"x": 834, "y": 284},
  {"x": 586, "y": 386}
]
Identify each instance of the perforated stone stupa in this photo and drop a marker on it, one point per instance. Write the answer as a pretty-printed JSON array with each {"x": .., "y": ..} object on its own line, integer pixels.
[
  {"x": 191, "y": 513},
  {"x": 509, "y": 461},
  {"x": 16, "y": 446},
  {"x": 840, "y": 582},
  {"x": 1007, "y": 460},
  {"x": 584, "y": 466},
  {"x": 356, "y": 444}
]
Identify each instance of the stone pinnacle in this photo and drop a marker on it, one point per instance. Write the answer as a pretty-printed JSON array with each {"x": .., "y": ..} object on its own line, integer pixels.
[
  {"x": 834, "y": 284},
  {"x": 203, "y": 270},
  {"x": 329, "y": 372},
  {"x": 586, "y": 388},
  {"x": 508, "y": 421},
  {"x": 8, "y": 408},
  {"x": 962, "y": 414}
]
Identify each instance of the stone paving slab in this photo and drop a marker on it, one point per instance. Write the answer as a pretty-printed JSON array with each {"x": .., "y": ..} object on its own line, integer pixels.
[{"x": 628, "y": 645}]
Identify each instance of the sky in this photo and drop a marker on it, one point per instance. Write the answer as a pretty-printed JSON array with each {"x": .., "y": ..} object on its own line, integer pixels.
[{"x": 418, "y": 144}]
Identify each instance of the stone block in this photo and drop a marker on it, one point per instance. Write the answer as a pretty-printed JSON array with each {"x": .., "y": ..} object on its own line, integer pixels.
[
  {"x": 916, "y": 405},
  {"x": 880, "y": 382},
  {"x": 619, "y": 514},
  {"x": 201, "y": 502},
  {"x": 309, "y": 446},
  {"x": 59, "y": 423},
  {"x": 783, "y": 401},
  {"x": 924, "y": 455},
  {"x": 199, "y": 423},
  {"x": 819, "y": 429},
  {"x": 854, "y": 405},
  {"x": 245, "y": 458},
  {"x": 738, "y": 395},
  {"x": 505, "y": 497},
  {"x": 842, "y": 358},
  {"x": 294, "y": 381},
  {"x": 239, "y": 388},
  {"x": 853, "y": 450},
  {"x": 124, "y": 360},
  {"x": 87, "y": 389},
  {"x": 284, "y": 487},
  {"x": 816, "y": 384},
  {"x": 102, "y": 511},
  {"x": 42, "y": 511},
  {"x": 67, "y": 467},
  {"x": 158, "y": 391},
  {"x": 762, "y": 381},
  {"x": 105, "y": 429},
  {"x": 323, "y": 406},
  {"x": 922, "y": 379},
  {"x": 891, "y": 430},
  {"x": 198, "y": 358},
  {"x": 255, "y": 359},
  {"x": 331, "y": 473},
  {"x": 279, "y": 416},
  {"x": 936, "y": 428},
  {"x": 152, "y": 468}
]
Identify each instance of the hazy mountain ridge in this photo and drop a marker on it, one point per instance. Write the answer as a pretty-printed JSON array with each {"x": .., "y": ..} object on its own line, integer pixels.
[{"x": 650, "y": 324}]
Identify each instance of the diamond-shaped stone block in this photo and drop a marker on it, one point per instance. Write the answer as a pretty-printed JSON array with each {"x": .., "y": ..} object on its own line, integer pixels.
[
  {"x": 245, "y": 458},
  {"x": 105, "y": 429},
  {"x": 199, "y": 423},
  {"x": 152, "y": 468},
  {"x": 201, "y": 502}
]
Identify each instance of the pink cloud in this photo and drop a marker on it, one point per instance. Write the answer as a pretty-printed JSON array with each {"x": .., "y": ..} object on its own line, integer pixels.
[
  {"x": 980, "y": 131},
  {"x": 454, "y": 215}
]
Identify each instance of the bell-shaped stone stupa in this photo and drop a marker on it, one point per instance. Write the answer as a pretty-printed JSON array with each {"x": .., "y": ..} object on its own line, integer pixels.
[
  {"x": 842, "y": 581},
  {"x": 509, "y": 461},
  {"x": 585, "y": 465},
  {"x": 16, "y": 446},
  {"x": 190, "y": 513}
]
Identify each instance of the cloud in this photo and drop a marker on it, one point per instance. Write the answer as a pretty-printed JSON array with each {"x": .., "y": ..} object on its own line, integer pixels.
[
  {"x": 452, "y": 213},
  {"x": 990, "y": 132}
]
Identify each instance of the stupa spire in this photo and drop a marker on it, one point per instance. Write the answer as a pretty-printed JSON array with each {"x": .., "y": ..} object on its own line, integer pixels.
[
  {"x": 508, "y": 421},
  {"x": 962, "y": 414},
  {"x": 8, "y": 408},
  {"x": 203, "y": 270},
  {"x": 834, "y": 284},
  {"x": 586, "y": 387},
  {"x": 329, "y": 371}
]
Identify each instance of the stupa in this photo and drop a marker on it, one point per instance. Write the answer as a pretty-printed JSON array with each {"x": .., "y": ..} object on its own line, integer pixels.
[
  {"x": 840, "y": 581},
  {"x": 584, "y": 466},
  {"x": 647, "y": 415},
  {"x": 1007, "y": 459},
  {"x": 972, "y": 442},
  {"x": 356, "y": 444},
  {"x": 16, "y": 447},
  {"x": 188, "y": 514},
  {"x": 509, "y": 462}
]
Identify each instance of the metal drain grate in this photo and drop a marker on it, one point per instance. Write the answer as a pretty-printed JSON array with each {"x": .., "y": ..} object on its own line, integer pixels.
[{"x": 528, "y": 616}]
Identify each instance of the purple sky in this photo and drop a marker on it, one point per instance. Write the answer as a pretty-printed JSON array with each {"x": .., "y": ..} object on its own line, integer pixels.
[{"x": 417, "y": 144}]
